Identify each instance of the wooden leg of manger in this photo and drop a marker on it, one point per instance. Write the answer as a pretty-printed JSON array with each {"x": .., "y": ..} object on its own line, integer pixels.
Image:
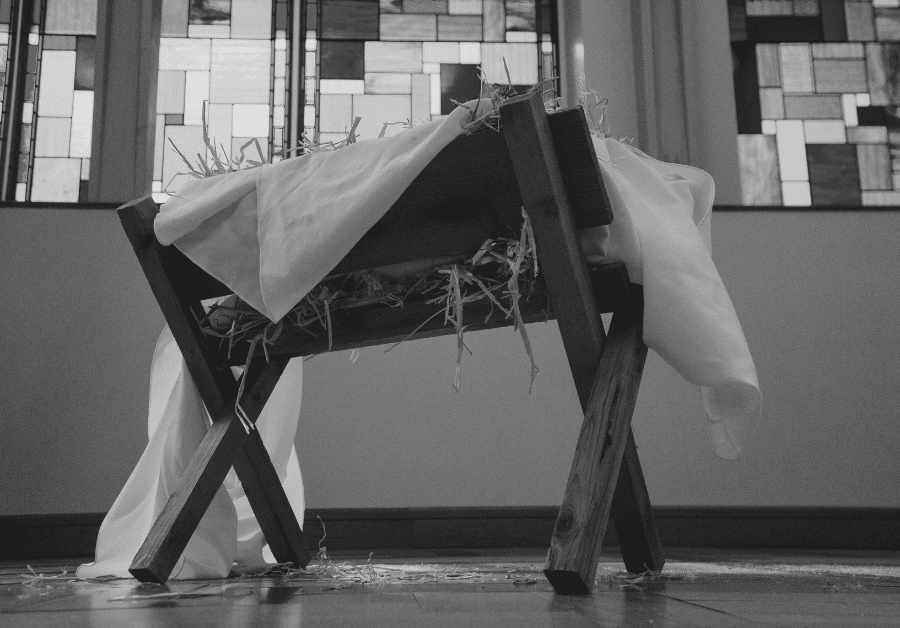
[
  {"x": 632, "y": 515},
  {"x": 608, "y": 391},
  {"x": 226, "y": 444},
  {"x": 180, "y": 516},
  {"x": 270, "y": 504},
  {"x": 575, "y": 548}
]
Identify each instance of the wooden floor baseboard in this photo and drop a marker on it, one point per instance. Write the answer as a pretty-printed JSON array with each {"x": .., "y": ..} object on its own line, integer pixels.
[{"x": 25, "y": 537}]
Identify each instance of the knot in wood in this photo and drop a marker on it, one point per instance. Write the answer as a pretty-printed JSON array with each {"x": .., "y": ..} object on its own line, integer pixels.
[{"x": 566, "y": 520}]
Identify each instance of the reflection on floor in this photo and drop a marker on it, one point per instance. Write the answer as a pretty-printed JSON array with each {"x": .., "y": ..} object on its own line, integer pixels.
[{"x": 699, "y": 587}]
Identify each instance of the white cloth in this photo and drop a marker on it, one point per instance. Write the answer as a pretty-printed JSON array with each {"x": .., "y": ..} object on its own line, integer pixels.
[
  {"x": 661, "y": 230},
  {"x": 272, "y": 233},
  {"x": 177, "y": 422}
]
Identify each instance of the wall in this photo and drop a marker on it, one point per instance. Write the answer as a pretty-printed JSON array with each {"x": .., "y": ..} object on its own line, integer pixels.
[
  {"x": 80, "y": 329},
  {"x": 816, "y": 293}
]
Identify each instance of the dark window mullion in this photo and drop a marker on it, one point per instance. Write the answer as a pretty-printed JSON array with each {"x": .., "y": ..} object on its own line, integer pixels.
[
  {"x": 296, "y": 75},
  {"x": 13, "y": 101}
]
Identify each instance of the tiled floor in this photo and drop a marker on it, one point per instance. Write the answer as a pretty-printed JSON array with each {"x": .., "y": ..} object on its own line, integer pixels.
[{"x": 698, "y": 588}]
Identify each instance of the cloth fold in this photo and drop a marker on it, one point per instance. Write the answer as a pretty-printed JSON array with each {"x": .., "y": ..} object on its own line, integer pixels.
[{"x": 662, "y": 231}]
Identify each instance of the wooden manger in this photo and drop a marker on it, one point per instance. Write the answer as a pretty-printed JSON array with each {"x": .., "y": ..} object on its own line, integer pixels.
[{"x": 544, "y": 163}]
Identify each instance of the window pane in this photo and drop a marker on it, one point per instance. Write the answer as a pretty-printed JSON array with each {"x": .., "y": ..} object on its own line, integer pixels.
[
  {"x": 55, "y": 143},
  {"x": 71, "y": 17},
  {"x": 827, "y": 68},
  {"x": 219, "y": 52},
  {"x": 383, "y": 61}
]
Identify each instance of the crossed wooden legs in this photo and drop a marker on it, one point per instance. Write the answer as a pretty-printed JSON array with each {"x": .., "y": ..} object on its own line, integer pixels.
[
  {"x": 603, "y": 480},
  {"x": 606, "y": 370},
  {"x": 226, "y": 443},
  {"x": 606, "y": 476}
]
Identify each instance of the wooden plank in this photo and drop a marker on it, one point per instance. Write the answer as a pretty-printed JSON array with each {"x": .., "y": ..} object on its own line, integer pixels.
[
  {"x": 179, "y": 518},
  {"x": 531, "y": 148},
  {"x": 137, "y": 218},
  {"x": 218, "y": 390},
  {"x": 579, "y": 168},
  {"x": 582, "y": 334},
  {"x": 258, "y": 476},
  {"x": 381, "y": 324},
  {"x": 175, "y": 300},
  {"x": 222, "y": 446},
  {"x": 575, "y": 549},
  {"x": 632, "y": 513},
  {"x": 264, "y": 491}
]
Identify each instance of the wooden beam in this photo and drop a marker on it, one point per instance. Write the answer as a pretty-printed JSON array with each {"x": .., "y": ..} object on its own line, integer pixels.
[
  {"x": 435, "y": 205},
  {"x": 175, "y": 301},
  {"x": 382, "y": 324},
  {"x": 538, "y": 172},
  {"x": 632, "y": 514},
  {"x": 544, "y": 195},
  {"x": 182, "y": 513},
  {"x": 224, "y": 445},
  {"x": 575, "y": 548},
  {"x": 264, "y": 491}
]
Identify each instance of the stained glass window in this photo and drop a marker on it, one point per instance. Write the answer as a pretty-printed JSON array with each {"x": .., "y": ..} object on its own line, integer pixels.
[
  {"x": 255, "y": 70},
  {"x": 47, "y": 56},
  {"x": 225, "y": 60},
  {"x": 378, "y": 60},
  {"x": 404, "y": 61},
  {"x": 818, "y": 101}
]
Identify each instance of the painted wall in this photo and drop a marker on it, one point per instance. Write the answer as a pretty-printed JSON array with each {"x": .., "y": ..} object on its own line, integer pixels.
[{"x": 816, "y": 292}]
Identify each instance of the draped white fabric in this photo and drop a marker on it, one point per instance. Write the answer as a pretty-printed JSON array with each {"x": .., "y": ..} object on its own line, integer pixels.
[
  {"x": 272, "y": 233},
  {"x": 661, "y": 230},
  {"x": 177, "y": 421}
]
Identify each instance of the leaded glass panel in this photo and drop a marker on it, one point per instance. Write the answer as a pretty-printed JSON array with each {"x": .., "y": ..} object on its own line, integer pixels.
[
  {"x": 224, "y": 60},
  {"x": 402, "y": 61},
  {"x": 56, "y": 96},
  {"x": 818, "y": 101},
  {"x": 382, "y": 61}
]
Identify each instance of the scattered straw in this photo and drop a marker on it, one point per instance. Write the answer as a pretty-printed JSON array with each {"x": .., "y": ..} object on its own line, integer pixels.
[
  {"x": 39, "y": 580},
  {"x": 627, "y": 580},
  {"x": 341, "y": 575},
  {"x": 34, "y": 579},
  {"x": 519, "y": 577}
]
